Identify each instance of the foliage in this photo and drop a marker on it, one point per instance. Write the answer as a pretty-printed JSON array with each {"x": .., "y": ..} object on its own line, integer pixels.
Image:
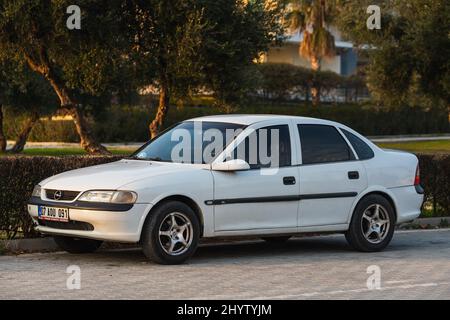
[
  {"x": 25, "y": 93},
  {"x": 22, "y": 90},
  {"x": 128, "y": 123},
  {"x": 195, "y": 45},
  {"x": 280, "y": 81},
  {"x": 409, "y": 54},
  {"x": 80, "y": 65},
  {"x": 240, "y": 31},
  {"x": 435, "y": 176},
  {"x": 312, "y": 18}
]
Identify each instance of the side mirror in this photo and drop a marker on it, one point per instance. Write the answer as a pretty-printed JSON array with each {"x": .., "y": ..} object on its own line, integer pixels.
[{"x": 231, "y": 165}]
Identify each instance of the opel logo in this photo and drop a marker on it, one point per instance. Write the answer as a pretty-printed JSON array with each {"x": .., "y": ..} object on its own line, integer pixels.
[{"x": 57, "y": 195}]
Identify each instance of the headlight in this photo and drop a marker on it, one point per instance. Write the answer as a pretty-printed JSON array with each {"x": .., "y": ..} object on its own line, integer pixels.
[
  {"x": 36, "y": 191},
  {"x": 109, "y": 196}
]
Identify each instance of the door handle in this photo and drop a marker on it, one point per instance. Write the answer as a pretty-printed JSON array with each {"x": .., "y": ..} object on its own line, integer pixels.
[
  {"x": 288, "y": 180},
  {"x": 353, "y": 175}
]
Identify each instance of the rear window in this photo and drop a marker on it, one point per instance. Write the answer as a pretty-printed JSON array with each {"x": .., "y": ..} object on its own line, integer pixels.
[
  {"x": 322, "y": 144},
  {"x": 362, "y": 149}
]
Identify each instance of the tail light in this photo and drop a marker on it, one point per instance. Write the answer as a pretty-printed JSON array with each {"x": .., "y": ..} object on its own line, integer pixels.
[{"x": 417, "y": 177}]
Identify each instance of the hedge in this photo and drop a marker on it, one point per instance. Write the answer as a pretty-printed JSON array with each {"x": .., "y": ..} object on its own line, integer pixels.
[
  {"x": 18, "y": 175},
  {"x": 283, "y": 81},
  {"x": 130, "y": 124},
  {"x": 435, "y": 177}
]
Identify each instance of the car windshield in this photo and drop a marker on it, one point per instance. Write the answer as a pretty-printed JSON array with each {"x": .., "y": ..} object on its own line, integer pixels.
[{"x": 195, "y": 142}]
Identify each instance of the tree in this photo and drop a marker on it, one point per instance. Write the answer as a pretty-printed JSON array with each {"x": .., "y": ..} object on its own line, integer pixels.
[
  {"x": 240, "y": 32},
  {"x": 74, "y": 62},
  {"x": 191, "y": 44},
  {"x": 312, "y": 18},
  {"x": 25, "y": 93},
  {"x": 165, "y": 36},
  {"x": 408, "y": 56}
]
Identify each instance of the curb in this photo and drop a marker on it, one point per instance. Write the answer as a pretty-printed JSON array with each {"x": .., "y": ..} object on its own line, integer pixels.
[
  {"x": 424, "y": 223},
  {"x": 29, "y": 245}
]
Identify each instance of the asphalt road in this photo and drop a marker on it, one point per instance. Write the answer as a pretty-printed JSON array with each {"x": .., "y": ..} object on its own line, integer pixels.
[{"x": 415, "y": 266}]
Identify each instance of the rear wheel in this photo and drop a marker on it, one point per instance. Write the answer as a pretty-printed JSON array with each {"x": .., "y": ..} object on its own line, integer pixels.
[
  {"x": 372, "y": 225},
  {"x": 77, "y": 245},
  {"x": 171, "y": 233},
  {"x": 279, "y": 239}
]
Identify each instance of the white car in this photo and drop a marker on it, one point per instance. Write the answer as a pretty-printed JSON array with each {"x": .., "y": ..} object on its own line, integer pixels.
[{"x": 177, "y": 188}]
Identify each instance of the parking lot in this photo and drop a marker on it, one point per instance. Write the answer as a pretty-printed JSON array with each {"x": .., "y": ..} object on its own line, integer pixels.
[{"x": 415, "y": 266}]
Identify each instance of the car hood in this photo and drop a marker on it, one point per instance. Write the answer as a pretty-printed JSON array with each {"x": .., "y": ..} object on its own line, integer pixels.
[{"x": 112, "y": 176}]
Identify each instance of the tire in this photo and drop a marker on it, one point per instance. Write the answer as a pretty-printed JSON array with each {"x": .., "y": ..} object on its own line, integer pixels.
[
  {"x": 163, "y": 241},
  {"x": 276, "y": 240},
  {"x": 77, "y": 245},
  {"x": 367, "y": 233}
]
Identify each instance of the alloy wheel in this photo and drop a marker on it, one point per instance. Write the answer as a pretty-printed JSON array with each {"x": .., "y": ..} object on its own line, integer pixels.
[
  {"x": 175, "y": 233},
  {"x": 375, "y": 223}
]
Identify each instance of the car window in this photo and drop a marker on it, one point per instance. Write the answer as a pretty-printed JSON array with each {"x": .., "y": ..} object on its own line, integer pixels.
[
  {"x": 266, "y": 147},
  {"x": 190, "y": 142},
  {"x": 322, "y": 144},
  {"x": 362, "y": 149}
]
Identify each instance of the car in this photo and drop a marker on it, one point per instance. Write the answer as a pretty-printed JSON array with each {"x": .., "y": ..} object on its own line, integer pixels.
[{"x": 266, "y": 176}]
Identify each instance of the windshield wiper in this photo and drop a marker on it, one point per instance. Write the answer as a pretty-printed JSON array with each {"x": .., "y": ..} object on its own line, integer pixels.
[{"x": 156, "y": 159}]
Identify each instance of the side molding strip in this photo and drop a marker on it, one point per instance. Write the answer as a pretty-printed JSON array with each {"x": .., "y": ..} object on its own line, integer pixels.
[{"x": 282, "y": 198}]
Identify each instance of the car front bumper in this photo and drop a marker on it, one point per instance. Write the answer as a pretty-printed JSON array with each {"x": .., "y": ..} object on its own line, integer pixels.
[{"x": 94, "y": 222}]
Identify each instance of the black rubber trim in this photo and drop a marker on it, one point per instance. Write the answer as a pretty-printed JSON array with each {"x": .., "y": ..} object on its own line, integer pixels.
[
  {"x": 82, "y": 205},
  {"x": 282, "y": 198},
  {"x": 419, "y": 189},
  {"x": 328, "y": 195},
  {"x": 69, "y": 225}
]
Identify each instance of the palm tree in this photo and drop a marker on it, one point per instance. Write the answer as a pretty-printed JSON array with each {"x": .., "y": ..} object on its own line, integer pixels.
[{"x": 311, "y": 19}]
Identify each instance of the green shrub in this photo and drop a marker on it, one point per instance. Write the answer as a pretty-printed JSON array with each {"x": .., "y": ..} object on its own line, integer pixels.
[
  {"x": 282, "y": 80},
  {"x": 18, "y": 176},
  {"x": 124, "y": 123},
  {"x": 130, "y": 123},
  {"x": 435, "y": 176},
  {"x": 43, "y": 130},
  {"x": 279, "y": 80}
]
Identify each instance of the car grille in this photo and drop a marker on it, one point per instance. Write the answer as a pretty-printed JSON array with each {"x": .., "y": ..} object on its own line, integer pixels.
[
  {"x": 61, "y": 195},
  {"x": 71, "y": 225}
]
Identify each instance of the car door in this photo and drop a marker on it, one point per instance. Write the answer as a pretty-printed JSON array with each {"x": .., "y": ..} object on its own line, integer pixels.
[
  {"x": 264, "y": 197},
  {"x": 330, "y": 176}
]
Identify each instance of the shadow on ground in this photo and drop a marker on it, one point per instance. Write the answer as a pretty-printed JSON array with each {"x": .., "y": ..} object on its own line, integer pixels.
[{"x": 247, "y": 251}]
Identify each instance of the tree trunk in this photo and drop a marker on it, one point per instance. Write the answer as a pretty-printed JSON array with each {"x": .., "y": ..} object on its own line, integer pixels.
[
  {"x": 163, "y": 109},
  {"x": 21, "y": 140},
  {"x": 315, "y": 92},
  {"x": 2, "y": 134},
  {"x": 87, "y": 140}
]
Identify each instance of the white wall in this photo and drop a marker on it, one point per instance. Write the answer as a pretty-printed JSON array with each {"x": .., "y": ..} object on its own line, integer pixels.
[{"x": 288, "y": 53}]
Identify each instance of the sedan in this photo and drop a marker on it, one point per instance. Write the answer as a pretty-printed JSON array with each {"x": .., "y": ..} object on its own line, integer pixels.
[{"x": 267, "y": 176}]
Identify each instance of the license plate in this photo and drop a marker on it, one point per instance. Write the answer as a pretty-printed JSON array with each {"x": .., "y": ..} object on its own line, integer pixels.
[{"x": 53, "y": 213}]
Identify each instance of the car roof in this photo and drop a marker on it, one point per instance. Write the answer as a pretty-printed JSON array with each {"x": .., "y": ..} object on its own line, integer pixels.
[{"x": 249, "y": 119}]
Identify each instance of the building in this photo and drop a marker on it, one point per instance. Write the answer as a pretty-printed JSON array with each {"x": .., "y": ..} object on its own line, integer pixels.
[{"x": 344, "y": 62}]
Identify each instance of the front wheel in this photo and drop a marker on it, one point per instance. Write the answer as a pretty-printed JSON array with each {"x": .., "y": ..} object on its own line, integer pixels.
[
  {"x": 77, "y": 245},
  {"x": 372, "y": 225},
  {"x": 171, "y": 233}
]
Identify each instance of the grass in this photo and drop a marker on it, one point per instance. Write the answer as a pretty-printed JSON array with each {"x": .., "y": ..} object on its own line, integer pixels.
[
  {"x": 432, "y": 146},
  {"x": 71, "y": 151}
]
